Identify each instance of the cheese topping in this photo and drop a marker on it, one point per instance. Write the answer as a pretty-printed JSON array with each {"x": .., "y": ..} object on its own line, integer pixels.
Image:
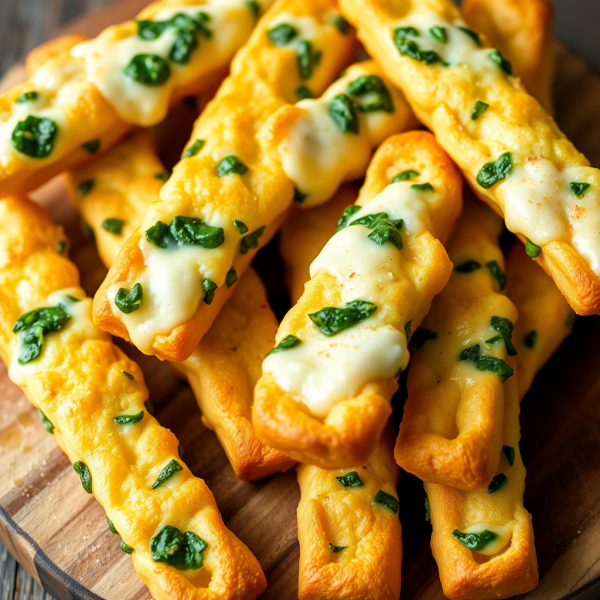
[
  {"x": 504, "y": 535},
  {"x": 107, "y": 56},
  {"x": 323, "y": 371},
  {"x": 539, "y": 204},
  {"x": 77, "y": 330},
  {"x": 318, "y": 156}
]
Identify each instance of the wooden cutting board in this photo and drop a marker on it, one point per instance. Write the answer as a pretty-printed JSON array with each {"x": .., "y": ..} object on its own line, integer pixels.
[{"x": 59, "y": 533}]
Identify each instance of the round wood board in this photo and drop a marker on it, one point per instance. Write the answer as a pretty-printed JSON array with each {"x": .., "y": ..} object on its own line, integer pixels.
[{"x": 59, "y": 533}]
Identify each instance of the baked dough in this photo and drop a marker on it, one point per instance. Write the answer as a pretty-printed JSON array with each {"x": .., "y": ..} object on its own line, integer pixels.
[
  {"x": 226, "y": 365},
  {"x": 224, "y": 177},
  {"x": 522, "y": 31},
  {"x": 511, "y": 566},
  {"x": 335, "y": 419},
  {"x": 509, "y": 154},
  {"x": 451, "y": 431},
  {"x": 96, "y": 90},
  {"x": 82, "y": 381},
  {"x": 350, "y": 546}
]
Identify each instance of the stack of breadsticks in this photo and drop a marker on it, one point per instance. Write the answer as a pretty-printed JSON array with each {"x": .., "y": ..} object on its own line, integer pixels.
[{"x": 410, "y": 268}]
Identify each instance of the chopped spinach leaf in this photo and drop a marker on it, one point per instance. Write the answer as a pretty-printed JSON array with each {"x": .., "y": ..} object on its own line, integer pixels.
[
  {"x": 129, "y": 419},
  {"x": 344, "y": 111},
  {"x": 387, "y": 501},
  {"x": 111, "y": 526},
  {"x": 31, "y": 96},
  {"x": 486, "y": 363},
  {"x": 472, "y": 34},
  {"x": 209, "y": 288},
  {"x": 172, "y": 467},
  {"x": 304, "y": 92},
  {"x": 578, "y": 189},
  {"x": 250, "y": 241},
  {"x": 468, "y": 266},
  {"x": 377, "y": 92},
  {"x": 128, "y": 375},
  {"x": 307, "y": 59},
  {"x": 479, "y": 108},
  {"x": 193, "y": 148},
  {"x": 336, "y": 549},
  {"x": 505, "y": 328},
  {"x": 502, "y": 62},
  {"x": 85, "y": 187},
  {"x": 282, "y": 34},
  {"x": 254, "y": 8},
  {"x": 240, "y": 226},
  {"x": 230, "y": 165},
  {"x": 427, "y": 510},
  {"x": 176, "y": 549},
  {"x": 84, "y": 474},
  {"x": 164, "y": 176},
  {"x": 497, "y": 273},
  {"x": 185, "y": 231},
  {"x": 231, "y": 277},
  {"x": 129, "y": 301},
  {"x": 330, "y": 320},
  {"x": 410, "y": 48},
  {"x": 405, "y": 175},
  {"x": 341, "y": 24},
  {"x": 475, "y": 541},
  {"x": 350, "y": 479},
  {"x": 422, "y": 187},
  {"x": 46, "y": 421},
  {"x": 439, "y": 33},
  {"x": 34, "y": 136},
  {"x": 287, "y": 343},
  {"x": 148, "y": 69},
  {"x": 349, "y": 212},
  {"x": 497, "y": 483},
  {"x": 113, "y": 225},
  {"x": 127, "y": 549},
  {"x": 510, "y": 453},
  {"x": 493, "y": 172},
  {"x": 532, "y": 250}
]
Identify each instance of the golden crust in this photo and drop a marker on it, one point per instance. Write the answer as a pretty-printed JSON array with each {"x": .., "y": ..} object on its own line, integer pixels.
[
  {"x": 225, "y": 366},
  {"x": 261, "y": 74},
  {"x": 87, "y": 113},
  {"x": 443, "y": 98},
  {"x": 55, "y": 48},
  {"x": 522, "y": 31},
  {"x": 349, "y": 433},
  {"x": 451, "y": 431},
  {"x": 328, "y": 513},
  {"x": 79, "y": 384}
]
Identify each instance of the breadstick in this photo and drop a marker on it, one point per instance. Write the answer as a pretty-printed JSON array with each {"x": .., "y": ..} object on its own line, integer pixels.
[
  {"x": 226, "y": 197},
  {"x": 522, "y": 31},
  {"x": 94, "y": 397},
  {"x": 87, "y": 96},
  {"x": 349, "y": 531},
  {"x": 225, "y": 366},
  {"x": 324, "y": 400},
  {"x": 507, "y": 146},
  {"x": 497, "y": 559},
  {"x": 451, "y": 431}
]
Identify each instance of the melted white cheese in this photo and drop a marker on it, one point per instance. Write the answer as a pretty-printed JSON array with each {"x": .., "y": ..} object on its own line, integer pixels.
[
  {"x": 106, "y": 56},
  {"x": 539, "y": 204},
  {"x": 322, "y": 371},
  {"x": 77, "y": 330},
  {"x": 318, "y": 157},
  {"x": 504, "y": 534}
]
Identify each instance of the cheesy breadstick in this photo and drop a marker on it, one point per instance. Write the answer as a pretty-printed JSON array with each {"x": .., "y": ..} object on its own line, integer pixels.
[
  {"x": 349, "y": 531},
  {"x": 451, "y": 431},
  {"x": 226, "y": 197},
  {"x": 522, "y": 31},
  {"x": 94, "y": 397},
  {"x": 87, "y": 96},
  {"x": 483, "y": 540},
  {"x": 507, "y": 146},
  {"x": 324, "y": 394},
  {"x": 225, "y": 366}
]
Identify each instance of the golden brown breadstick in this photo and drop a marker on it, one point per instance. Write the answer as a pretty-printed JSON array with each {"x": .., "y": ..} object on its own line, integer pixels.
[
  {"x": 94, "y": 397},
  {"x": 226, "y": 197},
  {"x": 522, "y": 31},
  {"x": 507, "y": 146},
  {"x": 325, "y": 391},
  {"x": 451, "y": 431},
  {"x": 349, "y": 531},
  {"x": 225, "y": 366},
  {"x": 87, "y": 95},
  {"x": 501, "y": 563}
]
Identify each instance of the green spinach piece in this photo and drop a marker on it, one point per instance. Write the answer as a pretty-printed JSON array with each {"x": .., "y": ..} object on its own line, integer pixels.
[
  {"x": 127, "y": 549},
  {"x": 46, "y": 421},
  {"x": 193, "y": 148},
  {"x": 148, "y": 69},
  {"x": 128, "y": 375},
  {"x": 422, "y": 187},
  {"x": 578, "y": 189},
  {"x": 31, "y": 96},
  {"x": 231, "y": 277},
  {"x": 92, "y": 146},
  {"x": 250, "y": 241},
  {"x": 287, "y": 343},
  {"x": 386, "y": 501},
  {"x": 532, "y": 250},
  {"x": 510, "y": 454},
  {"x": 497, "y": 273},
  {"x": 472, "y": 34},
  {"x": 349, "y": 212},
  {"x": 475, "y": 541},
  {"x": 405, "y": 175},
  {"x": 378, "y": 93},
  {"x": 487, "y": 363},
  {"x": 164, "y": 176},
  {"x": 331, "y": 321},
  {"x": 341, "y": 24},
  {"x": 336, "y": 549},
  {"x": 427, "y": 510},
  {"x": 113, "y": 225},
  {"x": 350, "y": 479},
  {"x": 439, "y": 33},
  {"x": 303, "y": 92},
  {"x": 307, "y": 59},
  {"x": 493, "y": 172},
  {"x": 172, "y": 467},
  {"x": 209, "y": 288},
  {"x": 497, "y": 483},
  {"x": 176, "y": 549},
  {"x": 505, "y": 328},
  {"x": 479, "y": 108},
  {"x": 502, "y": 62},
  {"x": 254, "y": 8},
  {"x": 185, "y": 231},
  {"x": 240, "y": 226},
  {"x": 129, "y": 301},
  {"x": 84, "y": 474},
  {"x": 468, "y": 266},
  {"x": 230, "y": 165},
  {"x": 34, "y": 136},
  {"x": 344, "y": 111},
  {"x": 85, "y": 187},
  {"x": 282, "y": 34},
  {"x": 129, "y": 419},
  {"x": 111, "y": 526}
]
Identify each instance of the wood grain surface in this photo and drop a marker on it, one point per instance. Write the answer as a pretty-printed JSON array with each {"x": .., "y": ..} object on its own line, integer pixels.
[{"x": 59, "y": 533}]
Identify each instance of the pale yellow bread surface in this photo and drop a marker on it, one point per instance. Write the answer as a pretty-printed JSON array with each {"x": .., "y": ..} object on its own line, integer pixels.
[
  {"x": 522, "y": 31},
  {"x": 464, "y": 574},
  {"x": 225, "y": 366},
  {"x": 443, "y": 98},
  {"x": 85, "y": 113},
  {"x": 264, "y": 77},
  {"x": 329, "y": 513},
  {"x": 80, "y": 385},
  {"x": 349, "y": 432},
  {"x": 451, "y": 431}
]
